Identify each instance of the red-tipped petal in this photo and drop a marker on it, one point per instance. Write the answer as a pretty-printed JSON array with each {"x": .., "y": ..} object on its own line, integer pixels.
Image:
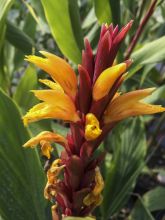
[
  {"x": 84, "y": 89},
  {"x": 111, "y": 29},
  {"x": 103, "y": 31},
  {"x": 121, "y": 35},
  {"x": 115, "y": 31},
  {"x": 88, "y": 58},
  {"x": 128, "y": 62},
  {"x": 102, "y": 56},
  {"x": 117, "y": 41}
]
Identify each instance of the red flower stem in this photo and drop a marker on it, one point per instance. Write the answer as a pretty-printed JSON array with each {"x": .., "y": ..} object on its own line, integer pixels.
[{"x": 140, "y": 29}]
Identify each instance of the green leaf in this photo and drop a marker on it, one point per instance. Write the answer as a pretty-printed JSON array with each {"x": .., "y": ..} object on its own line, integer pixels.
[
  {"x": 4, "y": 7},
  {"x": 152, "y": 52},
  {"x": 39, "y": 9},
  {"x": 103, "y": 11},
  {"x": 22, "y": 178},
  {"x": 93, "y": 35},
  {"x": 64, "y": 21},
  {"x": 89, "y": 19},
  {"x": 76, "y": 22},
  {"x": 19, "y": 39},
  {"x": 115, "y": 8},
  {"x": 129, "y": 144},
  {"x": 140, "y": 212},
  {"x": 23, "y": 96},
  {"x": 158, "y": 94},
  {"x": 154, "y": 200}
]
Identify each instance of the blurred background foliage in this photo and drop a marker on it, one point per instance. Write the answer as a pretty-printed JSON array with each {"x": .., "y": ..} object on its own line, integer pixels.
[{"x": 134, "y": 165}]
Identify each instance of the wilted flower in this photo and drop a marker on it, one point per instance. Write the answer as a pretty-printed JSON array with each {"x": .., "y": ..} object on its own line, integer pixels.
[{"x": 93, "y": 106}]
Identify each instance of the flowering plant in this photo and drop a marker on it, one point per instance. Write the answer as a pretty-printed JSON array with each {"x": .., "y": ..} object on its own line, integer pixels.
[
  {"x": 94, "y": 153},
  {"x": 93, "y": 105}
]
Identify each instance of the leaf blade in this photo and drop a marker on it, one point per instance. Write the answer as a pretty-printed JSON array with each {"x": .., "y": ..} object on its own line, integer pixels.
[
  {"x": 59, "y": 20},
  {"x": 22, "y": 178}
]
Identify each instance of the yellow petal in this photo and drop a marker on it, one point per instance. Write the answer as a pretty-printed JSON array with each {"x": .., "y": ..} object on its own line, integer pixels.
[
  {"x": 45, "y": 136},
  {"x": 99, "y": 182},
  {"x": 130, "y": 104},
  {"x": 52, "y": 176},
  {"x": 90, "y": 199},
  {"x": 56, "y": 167},
  {"x": 52, "y": 85},
  {"x": 92, "y": 127},
  {"x": 95, "y": 198},
  {"x": 56, "y": 105},
  {"x": 106, "y": 80},
  {"x": 46, "y": 148},
  {"x": 58, "y": 69},
  {"x": 98, "y": 200}
]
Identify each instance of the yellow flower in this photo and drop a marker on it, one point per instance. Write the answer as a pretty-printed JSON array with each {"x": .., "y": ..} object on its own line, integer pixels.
[
  {"x": 45, "y": 139},
  {"x": 58, "y": 69},
  {"x": 130, "y": 104},
  {"x": 92, "y": 127},
  {"x": 46, "y": 148},
  {"x": 106, "y": 80},
  {"x": 99, "y": 182},
  {"x": 46, "y": 136},
  {"x": 94, "y": 197},
  {"x": 55, "y": 105},
  {"x": 52, "y": 176}
]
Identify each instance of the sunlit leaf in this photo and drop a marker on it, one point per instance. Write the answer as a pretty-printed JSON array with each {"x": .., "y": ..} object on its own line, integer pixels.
[
  {"x": 89, "y": 19},
  {"x": 103, "y": 11},
  {"x": 151, "y": 52},
  {"x": 63, "y": 19},
  {"x": 4, "y": 7}
]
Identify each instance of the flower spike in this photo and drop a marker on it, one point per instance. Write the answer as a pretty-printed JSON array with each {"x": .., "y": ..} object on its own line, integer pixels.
[{"x": 92, "y": 105}]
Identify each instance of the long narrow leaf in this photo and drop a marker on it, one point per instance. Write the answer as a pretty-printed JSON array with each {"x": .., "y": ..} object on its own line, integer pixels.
[
  {"x": 4, "y": 7},
  {"x": 19, "y": 39},
  {"x": 140, "y": 212},
  {"x": 24, "y": 98},
  {"x": 22, "y": 179},
  {"x": 129, "y": 146},
  {"x": 103, "y": 11},
  {"x": 63, "y": 28},
  {"x": 152, "y": 52}
]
